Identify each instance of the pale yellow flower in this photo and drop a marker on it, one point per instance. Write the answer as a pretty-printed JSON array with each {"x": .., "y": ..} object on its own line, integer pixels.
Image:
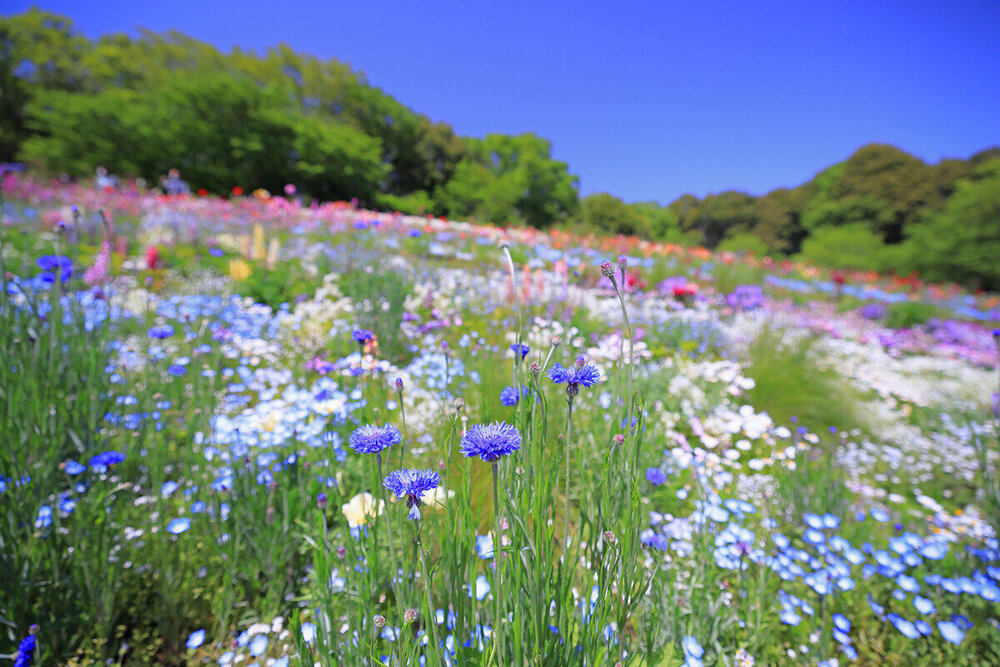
[{"x": 361, "y": 508}]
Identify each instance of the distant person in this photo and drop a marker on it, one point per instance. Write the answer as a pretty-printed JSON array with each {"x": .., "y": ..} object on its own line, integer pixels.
[
  {"x": 104, "y": 180},
  {"x": 173, "y": 184}
]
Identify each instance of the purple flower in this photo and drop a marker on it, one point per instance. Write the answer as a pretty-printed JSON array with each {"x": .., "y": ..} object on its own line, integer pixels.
[
  {"x": 362, "y": 335},
  {"x": 491, "y": 441},
  {"x": 162, "y": 331},
  {"x": 524, "y": 349},
  {"x": 587, "y": 375},
  {"x": 509, "y": 396},
  {"x": 107, "y": 459},
  {"x": 656, "y": 476},
  {"x": 51, "y": 263},
  {"x": 412, "y": 484},
  {"x": 371, "y": 439}
]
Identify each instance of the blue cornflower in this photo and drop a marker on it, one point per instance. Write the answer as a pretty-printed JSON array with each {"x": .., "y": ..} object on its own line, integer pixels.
[
  {"x": 176, "y": 370},
  {"x": 412, "y": 484},
  {"x": 26, "y": 649},
  {"x": 508, "y": 395},
  {"x": 107, "y": 459},
  {"x": 162, "y": 331},
  {"x": 491, "y": 441},
  {"x": 50, "y": 263},
  {"x": 73, "y": 468},
  {"x": 586, "y": 375},
  {"x": 362, "y": 335},
  {"x": 524, "y": 349},
  {"x": 371, "y": 439}
]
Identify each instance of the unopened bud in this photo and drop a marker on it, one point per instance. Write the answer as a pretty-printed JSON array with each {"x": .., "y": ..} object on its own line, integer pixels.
[
  {"x": 321, "y": 501},
  {"x": 504, "y": 244},
  {"x": 622, "y": 261},
  {"x": 580, "y": 362},
  {"x": 399, "y": 384},
  {"x": 519, "y": 470},
  {"x": 459, "y": 403},
  {"x": 607, "y": 270},
  {"x": 409, "y": 615},
  {"x": 556, "y": 341},
  {"x": 341, "y": 552},
  {"x": 619, "y": 439},
  {"x": 379, "y": 622},
  {"x": 534, "y": 368},
  {"x": 610, "y": 537}
]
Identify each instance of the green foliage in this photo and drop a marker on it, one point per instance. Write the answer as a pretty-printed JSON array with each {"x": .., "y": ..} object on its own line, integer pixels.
[
  {"x": 378, "y": 300},
  {"x": 852, "y": 246},
  {"x": 509, "y": 178},
  {"x": 789, "y": 383},
  {"x": 274, "y": 287},
  {"x": 608, "y": 214},
  {"x": 905, "y": 314},
  {"x": 745, "y": 242},
  {"x": 961, "y": 242}
]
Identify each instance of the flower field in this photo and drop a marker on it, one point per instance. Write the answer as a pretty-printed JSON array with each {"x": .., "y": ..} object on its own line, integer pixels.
[{"x": 253, "y": 432}]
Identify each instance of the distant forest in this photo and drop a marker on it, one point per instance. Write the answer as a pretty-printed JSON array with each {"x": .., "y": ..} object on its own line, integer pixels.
[{"x": 140, "y": 106}]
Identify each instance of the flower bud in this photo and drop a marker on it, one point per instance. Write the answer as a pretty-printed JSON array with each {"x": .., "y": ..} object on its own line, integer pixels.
[
  {"x": 622, "y": 262},
  {"x": 321, "y": 501},
  {"x": 619, "y": 439},
  {"x": 556, "y": 341},
  {"x": 459, "y": 403},
  {"x": 610, "y": 537},
  {"x": 341, "y": 552},
  {"x": 379, "y": 622},
  {"x": 409, "y": 615},
  {"x": 607, "y": 270},
  {"x": 399, "y": 384},
  {"x": 534, "y": 368}
]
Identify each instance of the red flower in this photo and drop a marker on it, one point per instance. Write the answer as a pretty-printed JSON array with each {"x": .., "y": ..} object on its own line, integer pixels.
[
  {"x": 152, "y": 257},
  {"x": 202, "y": 192},
  {"x": 237, "y": 191}
]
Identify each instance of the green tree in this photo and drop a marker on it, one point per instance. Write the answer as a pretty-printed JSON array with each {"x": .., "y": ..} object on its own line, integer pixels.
[
  {"x": 961, "y": 242},
  {"x": 608, "y": 214}
]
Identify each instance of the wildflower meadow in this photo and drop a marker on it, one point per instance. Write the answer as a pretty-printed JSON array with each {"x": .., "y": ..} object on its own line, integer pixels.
[{"x": 252, "y": 431}]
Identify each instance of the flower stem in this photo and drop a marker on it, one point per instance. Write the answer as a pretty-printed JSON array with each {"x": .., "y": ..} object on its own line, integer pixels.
[
  {"x": 566, "y": 443},
  {"x": 388, "y": 520},
  {"x": 431, "y": 614},
  {"x": 497, "y": 576}
]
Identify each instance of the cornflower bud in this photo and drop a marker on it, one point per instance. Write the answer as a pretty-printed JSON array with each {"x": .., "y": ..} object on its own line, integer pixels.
[
  {"x": 607, "y": 270},
  {"x": 619, "y": 439},
  {"x": 534, "y": 368},
  {"x": 409, "y": 615},
  {"x": 399, "y": 384},
  {"x": 321, "y": 501},
  {"x": 379, "y": 622},
  {"x": 610, "y": 537},
  {"x": 622, "y": 261}
]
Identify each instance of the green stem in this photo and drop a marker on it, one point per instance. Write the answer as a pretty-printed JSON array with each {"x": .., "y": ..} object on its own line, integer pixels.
[
  {"x": 388, "y": 521},
  {"x": 497, "y": 576},
  {"x": 569, "y": 426},
  {"x": 431, "y": 614}
]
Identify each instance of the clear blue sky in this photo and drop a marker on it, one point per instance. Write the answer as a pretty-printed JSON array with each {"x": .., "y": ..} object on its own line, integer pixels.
[{"x": 646, "y": 100}]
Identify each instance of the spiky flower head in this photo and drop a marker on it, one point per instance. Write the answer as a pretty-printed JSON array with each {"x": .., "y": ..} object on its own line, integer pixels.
[
  {"x": 607, "y": 270},
  {"x": 412, "y": 484},
  {"x": 491, "y": 441},
  {"x": 534, "y": 368},
  {"x": 524, "y": 349},
  {"x": 379, "y": 622},
  {"x": 371, "y": 439},
  {"x": 362, "y": 335},
  {"x": 586, "y": 375},
  {"x": 410, "y": 615}
]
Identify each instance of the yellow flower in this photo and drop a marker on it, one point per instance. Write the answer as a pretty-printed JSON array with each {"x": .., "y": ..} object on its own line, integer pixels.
[
  {"x": 238, "y": 269},
  {"x": 360, "y": 509}
]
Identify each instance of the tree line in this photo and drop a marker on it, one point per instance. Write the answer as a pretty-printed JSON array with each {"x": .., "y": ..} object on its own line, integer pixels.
[{"x": 142, "y": 105}]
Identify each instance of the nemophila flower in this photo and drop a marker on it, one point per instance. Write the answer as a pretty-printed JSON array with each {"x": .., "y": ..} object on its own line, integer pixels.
[
  {"x": 693, "y": 650},
  {"x": 161, "y": 331},
  {"x": 587, "y": 375},
  {"x": 73, "y": 468},
  {"x": 655, "y": 476},
  {"x": 362, "y": 335},
  {"x": 196, "y": 639},
  {"x": 412, "y": 484},
  {"x": 105, "y": 459},
  {"x": 524, "y": 349},
  {"x": 371, "y": 439},
  {"x": 258, "y": 645},
  {"x": 178, "y": 526},
  {"x": 491, "y": 441}
]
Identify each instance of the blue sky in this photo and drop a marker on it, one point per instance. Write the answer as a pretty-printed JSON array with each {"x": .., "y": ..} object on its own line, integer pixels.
[{"x": 646, "y": 100}]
